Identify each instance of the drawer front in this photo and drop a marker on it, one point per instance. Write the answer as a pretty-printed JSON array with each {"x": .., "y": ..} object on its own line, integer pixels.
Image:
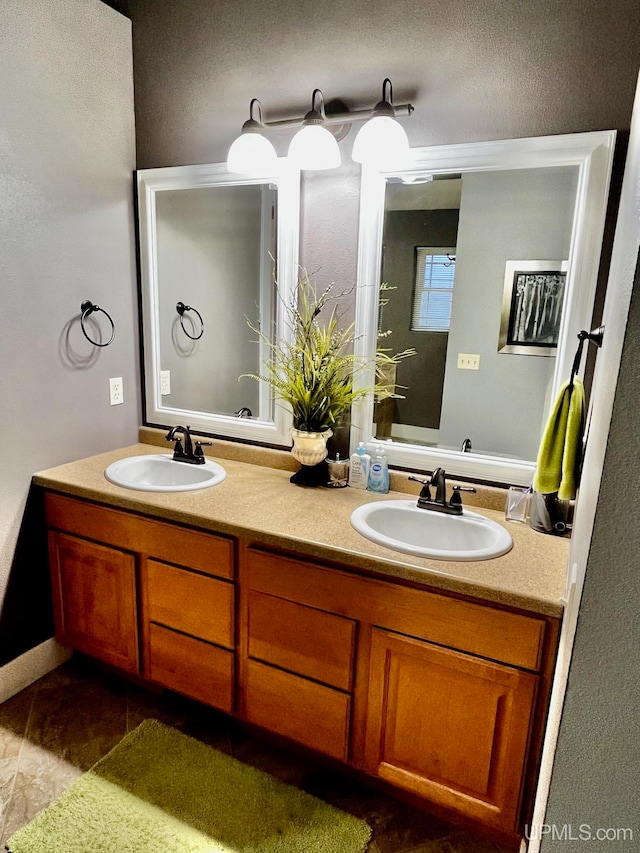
[
  {"x": 192, "y": 667},
  {"x": 206, "y": 552},
  {"x": 486, "y": 631},
  {"x": 196, "y": 604},
  {"x": 301, "y": 710},
  {"x": 302, "y": 639}
]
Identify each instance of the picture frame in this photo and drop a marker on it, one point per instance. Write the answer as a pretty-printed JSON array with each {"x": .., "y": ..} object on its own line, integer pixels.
[{"x": 532, "y": 303}]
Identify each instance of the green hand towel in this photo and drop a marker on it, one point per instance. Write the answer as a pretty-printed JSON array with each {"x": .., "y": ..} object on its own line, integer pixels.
[{"x": 560, "y": 449}]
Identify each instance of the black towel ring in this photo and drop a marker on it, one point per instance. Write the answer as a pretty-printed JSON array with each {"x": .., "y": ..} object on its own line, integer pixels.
[
  {"x": 181, "y": 308},
  {"x": 88, "y": 308},
  {"x": 595, "y": 337}
]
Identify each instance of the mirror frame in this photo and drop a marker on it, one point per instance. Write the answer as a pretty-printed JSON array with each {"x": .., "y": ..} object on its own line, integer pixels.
[
  {"x": 150, "y": 182},
  {"x": 592, "y": 154}
]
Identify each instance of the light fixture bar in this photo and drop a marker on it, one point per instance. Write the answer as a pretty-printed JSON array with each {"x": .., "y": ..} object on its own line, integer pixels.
[{"x": 338, "y": 118}]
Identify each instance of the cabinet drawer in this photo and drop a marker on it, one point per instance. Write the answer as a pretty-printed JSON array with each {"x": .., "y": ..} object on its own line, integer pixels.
[
  {"x": 206, "y": 552},
  {"x": 490, "y": 632},
  {"x": 192, "y": 667},
  {"x": 302, "y": 639},
  {"x": 192, "y": 603},
  {"x": 301, "y": 710}
]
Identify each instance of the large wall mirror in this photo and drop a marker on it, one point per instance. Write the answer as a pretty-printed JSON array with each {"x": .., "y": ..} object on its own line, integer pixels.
[
  {"x": 484, "y": 259},
  {"x": 216, "y": 250}
]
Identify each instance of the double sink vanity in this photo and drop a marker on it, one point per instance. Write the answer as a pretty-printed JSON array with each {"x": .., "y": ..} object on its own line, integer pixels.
[{"x": 261, "y": 599}]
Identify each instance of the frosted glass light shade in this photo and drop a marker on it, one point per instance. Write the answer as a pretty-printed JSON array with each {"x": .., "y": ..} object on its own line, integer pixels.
[
  {"x": 314, "y": 147},
  {"x": 382, "y": 142},
  {"x": 252, "y": 154}
]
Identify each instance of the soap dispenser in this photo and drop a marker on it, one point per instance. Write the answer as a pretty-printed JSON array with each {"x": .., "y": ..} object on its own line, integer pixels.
[
  {"x": 379, "y": 473},
  {"x": 359, "y": 468}
]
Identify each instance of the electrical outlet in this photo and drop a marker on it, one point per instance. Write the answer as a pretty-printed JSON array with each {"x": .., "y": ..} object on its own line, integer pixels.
[
  {"x": 467, "y": 361},
  {"x": 116, "y": 394},
  {"x": 165, "y": 382}
]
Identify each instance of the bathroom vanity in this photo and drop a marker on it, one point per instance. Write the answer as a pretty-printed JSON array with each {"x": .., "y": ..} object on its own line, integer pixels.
[{"x": 258, "y": 598}]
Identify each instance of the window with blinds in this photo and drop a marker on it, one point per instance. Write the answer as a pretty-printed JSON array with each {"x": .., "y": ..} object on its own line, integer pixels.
[{"x": 433, "y": 289}]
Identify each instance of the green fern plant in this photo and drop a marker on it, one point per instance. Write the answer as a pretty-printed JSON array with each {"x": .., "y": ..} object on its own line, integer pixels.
[{"x": 314, "y": 373}]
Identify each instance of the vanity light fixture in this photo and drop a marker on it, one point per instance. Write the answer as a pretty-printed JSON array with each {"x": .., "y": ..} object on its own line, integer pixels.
[
  {"x": 382, "y": 142},
  {"x": 252, "y": 153}
]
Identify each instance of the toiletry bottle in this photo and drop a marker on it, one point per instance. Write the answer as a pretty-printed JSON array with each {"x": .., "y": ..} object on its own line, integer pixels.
[
  {"x": 379, "y": 473},
  {"x": 359, "y": 468}
]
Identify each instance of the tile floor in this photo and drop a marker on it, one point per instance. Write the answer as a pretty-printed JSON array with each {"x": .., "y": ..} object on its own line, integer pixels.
[{"x": 60, "y": 726}]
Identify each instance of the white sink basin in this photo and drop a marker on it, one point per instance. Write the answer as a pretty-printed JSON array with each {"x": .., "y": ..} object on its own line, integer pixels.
[
  {"x": 159, "y": 473},
  {"x": 402, "y": 526}
]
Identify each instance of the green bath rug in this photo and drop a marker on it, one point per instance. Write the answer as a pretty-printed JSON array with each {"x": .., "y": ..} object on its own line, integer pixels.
[{"x": 160, "y": 791}]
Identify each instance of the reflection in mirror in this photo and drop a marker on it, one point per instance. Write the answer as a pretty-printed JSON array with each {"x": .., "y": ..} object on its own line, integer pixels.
[
  {"x": 437, "y": 244},
  {"x": 212, "y": 248}
]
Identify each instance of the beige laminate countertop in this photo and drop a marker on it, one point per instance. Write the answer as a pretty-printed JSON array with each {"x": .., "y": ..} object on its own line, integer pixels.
[{"x": 259, "y": 503}]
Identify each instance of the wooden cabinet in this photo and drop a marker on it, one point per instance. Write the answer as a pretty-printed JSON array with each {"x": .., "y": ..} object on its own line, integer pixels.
[
  {"x": 437, "y": 694},
  {"x": 448, "y": 726},
  {"x": 444, "y": 697},
  {"x": 150, "y": 597}
]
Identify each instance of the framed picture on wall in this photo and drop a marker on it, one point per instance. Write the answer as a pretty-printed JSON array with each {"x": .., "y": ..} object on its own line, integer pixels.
[{"x": 532, "y": 305}]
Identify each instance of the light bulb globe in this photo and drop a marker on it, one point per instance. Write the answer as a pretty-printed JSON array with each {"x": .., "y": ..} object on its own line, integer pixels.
[
  {"x": 252, "y": 154},
  {"x": 314, "y": 148},
  {"x": 382, "y": 143}
]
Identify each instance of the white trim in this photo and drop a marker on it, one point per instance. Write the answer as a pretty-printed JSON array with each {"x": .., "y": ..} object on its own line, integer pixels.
[
  {"x": 152, "y": 181},
  {"x": 30, "y": 666},
  {"x": 626, "y": 248},
  {"x": 592, "y": 153}
]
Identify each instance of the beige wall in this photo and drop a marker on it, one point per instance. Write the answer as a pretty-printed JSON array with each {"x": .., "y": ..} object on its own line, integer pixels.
[{"x": 66, "y": 235}]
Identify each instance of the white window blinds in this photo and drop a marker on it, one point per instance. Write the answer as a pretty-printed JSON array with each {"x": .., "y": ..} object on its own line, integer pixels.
[{"x": 433, "y": 289}]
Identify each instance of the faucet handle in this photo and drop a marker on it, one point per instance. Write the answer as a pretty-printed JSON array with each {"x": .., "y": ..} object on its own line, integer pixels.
[
  {"x": 199, "y": 451},
  {"x": 456, "y": 498},
  {"x": 425, "y": 491}
]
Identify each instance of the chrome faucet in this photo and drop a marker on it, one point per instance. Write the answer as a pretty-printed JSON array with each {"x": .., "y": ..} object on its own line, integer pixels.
[
  {"x": 439, "y": 502},
  {"x": 466, "y": 446},
  {"x": 186, "y": 453}
]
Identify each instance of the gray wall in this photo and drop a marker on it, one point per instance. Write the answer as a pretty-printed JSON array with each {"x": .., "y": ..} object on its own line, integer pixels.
[
  {"x": 66, "y": 235},
  {"x": 518, "y": 215}
]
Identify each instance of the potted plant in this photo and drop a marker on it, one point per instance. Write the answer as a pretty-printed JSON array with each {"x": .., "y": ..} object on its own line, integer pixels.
[{"x": 315, "y": 372}]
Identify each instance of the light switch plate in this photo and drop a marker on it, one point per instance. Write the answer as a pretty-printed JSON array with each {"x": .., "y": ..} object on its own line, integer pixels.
[
  {"x": 468, "y": 361},
  {"x": 165, "y": 382}
]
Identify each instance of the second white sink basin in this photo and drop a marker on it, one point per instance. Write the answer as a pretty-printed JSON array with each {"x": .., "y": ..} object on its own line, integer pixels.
[
  {"x": 402, "y": 526},
  {"x": 158, "y": 472}
]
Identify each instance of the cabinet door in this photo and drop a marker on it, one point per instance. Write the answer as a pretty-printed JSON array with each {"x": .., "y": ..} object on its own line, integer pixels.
[
  {"x": 448, "y": 726},
  {"x": 94, "y": 589}
]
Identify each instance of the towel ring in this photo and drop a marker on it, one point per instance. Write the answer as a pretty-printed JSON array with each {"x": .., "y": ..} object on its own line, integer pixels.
[
  {"x": 181, "y": 308},
  {"x": 88, "y": 308},
  {"x": 594, "y": 337}
]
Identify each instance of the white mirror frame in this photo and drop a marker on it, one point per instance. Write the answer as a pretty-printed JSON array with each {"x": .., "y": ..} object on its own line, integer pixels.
[
  {"x": 592, "y": 153},
  {"x": 152, "y": 181}
]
